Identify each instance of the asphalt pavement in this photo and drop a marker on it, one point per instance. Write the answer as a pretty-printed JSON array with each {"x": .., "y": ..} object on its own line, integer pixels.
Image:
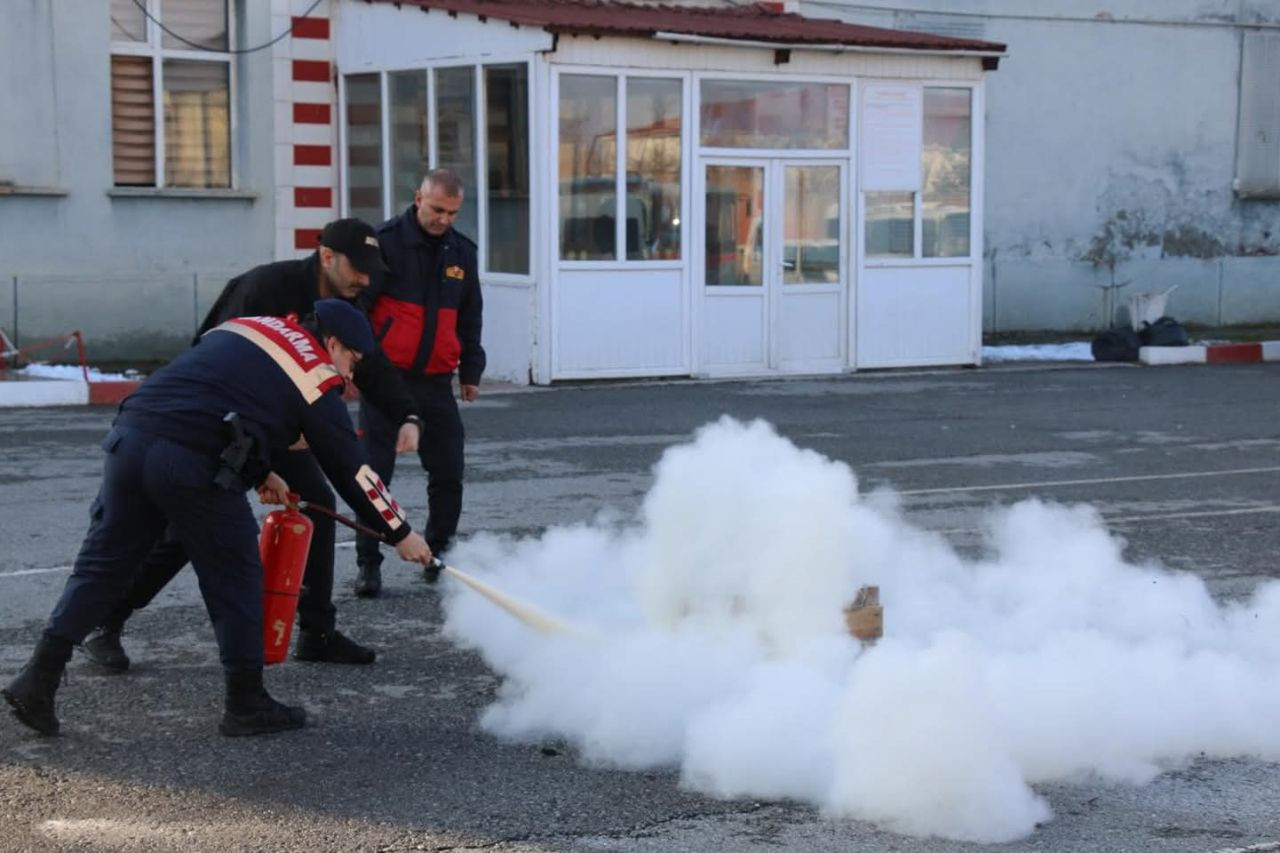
[{"x": 1180, "y": 462}]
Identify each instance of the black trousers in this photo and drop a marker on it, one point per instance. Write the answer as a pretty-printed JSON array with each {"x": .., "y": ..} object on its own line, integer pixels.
[
  {"x": 315, "y": 603},
  {"x": 440, "y": 450},
  {"x": 148, "y": 484}
]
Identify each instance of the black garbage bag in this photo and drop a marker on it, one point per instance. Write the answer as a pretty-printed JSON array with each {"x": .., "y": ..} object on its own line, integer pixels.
[
  {"x": 1118, "y": 344},
  {"x": 1164, "y": 332}
]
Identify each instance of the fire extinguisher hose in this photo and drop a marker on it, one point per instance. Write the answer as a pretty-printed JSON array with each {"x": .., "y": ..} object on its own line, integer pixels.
[
  {"x": 539, "y": 621},
  {"x": 436, "y": 563},
  {"x": 339, "y": 517}
]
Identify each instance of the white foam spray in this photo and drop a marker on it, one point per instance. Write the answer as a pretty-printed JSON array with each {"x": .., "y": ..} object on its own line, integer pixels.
[{"x": 714, "y": 642}]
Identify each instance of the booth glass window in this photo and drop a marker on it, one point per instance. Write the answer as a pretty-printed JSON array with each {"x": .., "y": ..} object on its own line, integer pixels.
[
  {"x": 507, "y": 150},
  {"x": 588, "y": 167},
  {"x": 410, "y": 136},
  {"x": 364, "y": 147},
  {"x": 890, "y": 224},
  {"x": 460, "y": 118},
  {"x": 456, "y": 137},
  {"x": 171, "y": 98},
  {"x": 735, "y": 226},
  {"x": 811, "y": 225},
  {"x": 594, "y": 195},
  {"x": 946, "y": 173},
  {"x": 941, "y": 204},
  {"x": 653, "y": 168},
  {"x": 774, "y": 114}
]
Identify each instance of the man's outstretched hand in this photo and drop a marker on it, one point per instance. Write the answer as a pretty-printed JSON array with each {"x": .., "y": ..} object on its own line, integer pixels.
[{"x": 414, "y": 549}]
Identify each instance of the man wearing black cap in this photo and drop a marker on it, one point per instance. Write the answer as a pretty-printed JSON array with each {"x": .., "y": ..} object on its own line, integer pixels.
[
  {"x": 181, "y": 454},
  {"x": 340, "y": 268}
]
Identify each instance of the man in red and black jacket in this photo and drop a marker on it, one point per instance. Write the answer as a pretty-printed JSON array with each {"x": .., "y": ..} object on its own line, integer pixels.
[{"x": 427, "y": 315}]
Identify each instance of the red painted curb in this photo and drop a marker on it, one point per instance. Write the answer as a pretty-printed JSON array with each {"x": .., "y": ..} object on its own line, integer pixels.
[
  {"x": 1233, "y": 353},
  {"x": 109, "y": 393}
]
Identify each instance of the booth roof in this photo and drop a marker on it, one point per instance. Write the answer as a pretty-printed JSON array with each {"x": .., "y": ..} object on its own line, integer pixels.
[{"x": 756, "y": 22}]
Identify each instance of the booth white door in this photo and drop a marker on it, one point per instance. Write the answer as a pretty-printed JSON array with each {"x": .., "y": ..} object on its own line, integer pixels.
[{"x": 774, "y": 266}]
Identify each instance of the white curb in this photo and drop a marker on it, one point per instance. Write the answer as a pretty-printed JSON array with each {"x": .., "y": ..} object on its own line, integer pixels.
[
  {"x": 1172, "y": 355},
  {"x": 44, "y": 392}
]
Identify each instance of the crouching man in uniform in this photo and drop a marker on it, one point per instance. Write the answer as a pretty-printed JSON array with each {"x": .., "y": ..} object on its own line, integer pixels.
[
  {"x": 174, "y": 460},
  {"x": 341, "y": 268}
]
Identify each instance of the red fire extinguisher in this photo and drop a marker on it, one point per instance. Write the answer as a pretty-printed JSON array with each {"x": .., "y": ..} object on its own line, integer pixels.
[{"x": 286, "y": 539}]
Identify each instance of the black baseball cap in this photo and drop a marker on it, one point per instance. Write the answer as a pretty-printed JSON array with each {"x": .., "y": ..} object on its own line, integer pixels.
[
  {"x": 345, "y": 322},
  {"x": 356, "y": 239}
]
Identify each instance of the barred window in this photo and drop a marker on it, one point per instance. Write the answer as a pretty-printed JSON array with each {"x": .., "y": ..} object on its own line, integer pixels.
[{"x": 171, "y": 93}]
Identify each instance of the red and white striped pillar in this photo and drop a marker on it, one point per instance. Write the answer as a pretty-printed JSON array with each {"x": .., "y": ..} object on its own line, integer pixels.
[{"x": 306, "y": 133}]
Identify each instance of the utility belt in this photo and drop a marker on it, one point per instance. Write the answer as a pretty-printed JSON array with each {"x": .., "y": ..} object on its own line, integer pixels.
[{"x": 242, "y": 462}]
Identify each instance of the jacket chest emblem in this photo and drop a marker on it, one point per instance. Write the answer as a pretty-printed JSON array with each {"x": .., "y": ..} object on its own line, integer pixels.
[{"x": 455, "y": 271}]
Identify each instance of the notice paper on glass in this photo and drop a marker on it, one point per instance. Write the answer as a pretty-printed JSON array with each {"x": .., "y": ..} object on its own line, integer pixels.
[{"x": 889, "y": 128}]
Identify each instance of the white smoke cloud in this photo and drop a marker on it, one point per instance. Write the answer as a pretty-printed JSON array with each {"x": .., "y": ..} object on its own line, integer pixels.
[{"x": 708, "y": 635}]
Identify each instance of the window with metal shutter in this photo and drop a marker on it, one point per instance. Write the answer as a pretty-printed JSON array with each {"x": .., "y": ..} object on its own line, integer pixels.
[
  {"x": 133, "y": 121},
  {"x": 171, "y": 93}
]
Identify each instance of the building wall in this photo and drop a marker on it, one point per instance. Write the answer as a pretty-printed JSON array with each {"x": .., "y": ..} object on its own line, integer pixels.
[
  {"x": 132, "y": 269},
  {"x": 1111, "y": 144},
  {"x": 305, "y": 125}
]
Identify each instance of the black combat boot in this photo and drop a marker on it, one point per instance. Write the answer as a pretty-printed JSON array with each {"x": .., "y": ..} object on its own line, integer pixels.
[
  {"x": 368, "y": 580},
  {"x": 250, "y": 710},
  {"x": 103, "y": 647},
  {"x": 331, "y": 647},
  {"x": 31, "y": 693}
]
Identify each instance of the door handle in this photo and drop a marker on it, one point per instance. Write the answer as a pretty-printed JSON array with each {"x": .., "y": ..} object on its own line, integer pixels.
[{"x": 788, "y": 265}]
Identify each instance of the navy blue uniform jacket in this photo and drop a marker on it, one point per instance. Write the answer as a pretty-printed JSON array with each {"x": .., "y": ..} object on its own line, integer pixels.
[
  {"x": 290, "y": 287},
  {"x": 278, "y": 377}
]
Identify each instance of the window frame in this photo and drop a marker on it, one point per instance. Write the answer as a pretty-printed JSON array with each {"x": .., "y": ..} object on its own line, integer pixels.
[
  {"x": 917, "y": 257},
  {"x": 477, "y": 194},
  {"x": 482, "y": 165},
  {"x": 153, "y": 49},
  {"x": 851, "y": 82},
  {"x": 848, "y": 83},
  {"x": 620, "y": 76}
]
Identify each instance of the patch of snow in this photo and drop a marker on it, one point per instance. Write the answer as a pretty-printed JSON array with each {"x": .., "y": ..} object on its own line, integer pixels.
[
  {"x": 73, "y": 372},
  {"x": 1074, "y": 351}
]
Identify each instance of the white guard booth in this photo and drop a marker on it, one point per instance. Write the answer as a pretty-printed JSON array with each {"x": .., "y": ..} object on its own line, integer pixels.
[{"x": 729, "y": 191}]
